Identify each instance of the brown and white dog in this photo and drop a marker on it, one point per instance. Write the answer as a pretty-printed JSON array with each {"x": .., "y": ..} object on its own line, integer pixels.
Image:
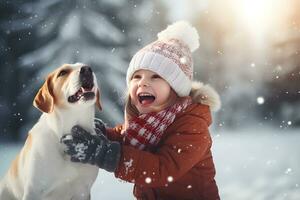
[{"x": 42, "y": 171}]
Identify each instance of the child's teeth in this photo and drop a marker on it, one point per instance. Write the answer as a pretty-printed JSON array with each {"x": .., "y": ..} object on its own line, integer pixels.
[{"x": 145, "y": 94}]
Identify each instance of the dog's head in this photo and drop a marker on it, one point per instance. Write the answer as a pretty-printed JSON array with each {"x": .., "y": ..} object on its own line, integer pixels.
[{"x": 69, "y": 85}]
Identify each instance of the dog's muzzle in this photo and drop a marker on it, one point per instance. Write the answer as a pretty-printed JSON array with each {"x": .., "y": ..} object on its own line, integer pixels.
[{"x": 86, "y": 79}]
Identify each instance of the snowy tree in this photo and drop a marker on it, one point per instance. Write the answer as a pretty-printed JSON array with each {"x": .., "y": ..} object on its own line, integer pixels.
[
  {"x": 14, "y": 41},
  {"x": 101, "y": 33},
  {"x": 223, "y": 62},
  {"x": 283, "y": 84},
  {"x": 235, "y": 43}
]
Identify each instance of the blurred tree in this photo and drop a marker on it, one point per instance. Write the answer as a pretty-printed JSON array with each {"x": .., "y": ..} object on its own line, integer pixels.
[
  {"x": 45, "y": 34},
  {"x": 283, "y": 98},
  {"x": 233, "y": 57},
  {"x": 222, "y": 62},
  {"x": 15, "y": 40}
]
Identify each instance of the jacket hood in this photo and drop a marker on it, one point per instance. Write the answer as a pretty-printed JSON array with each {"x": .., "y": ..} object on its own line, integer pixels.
[{"x": 206, "y": 95}]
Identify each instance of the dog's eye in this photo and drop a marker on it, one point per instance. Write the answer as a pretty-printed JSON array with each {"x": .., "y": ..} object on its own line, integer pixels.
[{"x": 62, "y": 73}]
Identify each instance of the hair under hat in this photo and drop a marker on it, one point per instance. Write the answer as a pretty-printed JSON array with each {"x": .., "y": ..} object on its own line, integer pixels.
[{"x": 170, "y": 56}]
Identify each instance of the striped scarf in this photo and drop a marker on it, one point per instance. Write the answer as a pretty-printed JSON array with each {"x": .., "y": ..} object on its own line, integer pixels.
[{"x": 146, "y": 130}]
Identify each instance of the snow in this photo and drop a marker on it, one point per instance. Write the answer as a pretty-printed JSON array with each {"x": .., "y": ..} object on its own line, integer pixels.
[
  {"x": 250, "y": 164},
  {"x": 256, "y": 164},
  {"x": 128, "y": 165},
  {"x": 80, "y": 148},
  {"x": 170, "y": 179},
  {"x": 260, "y": 100},
  {"x": 148, "y": 180}
]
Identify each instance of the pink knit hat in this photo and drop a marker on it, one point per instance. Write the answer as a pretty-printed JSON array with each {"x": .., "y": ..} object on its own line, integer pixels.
[{"x": 170, "y": 56}]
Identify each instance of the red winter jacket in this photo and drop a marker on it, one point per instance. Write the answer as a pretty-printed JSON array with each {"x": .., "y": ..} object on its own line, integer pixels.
[{"x": 181, "y": 167}]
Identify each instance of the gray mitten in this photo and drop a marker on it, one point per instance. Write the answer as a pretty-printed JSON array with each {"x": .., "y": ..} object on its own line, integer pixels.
[
  {"x": 94, "y": 149},
  {"x": 100, "y": 126}
]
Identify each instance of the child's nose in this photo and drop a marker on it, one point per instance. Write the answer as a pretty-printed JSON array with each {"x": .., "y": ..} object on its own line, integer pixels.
[{"x": 143, "y": 82}]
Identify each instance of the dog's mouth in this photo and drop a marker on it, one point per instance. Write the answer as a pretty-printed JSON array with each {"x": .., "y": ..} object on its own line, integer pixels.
[{"x": 83, "y": 93}]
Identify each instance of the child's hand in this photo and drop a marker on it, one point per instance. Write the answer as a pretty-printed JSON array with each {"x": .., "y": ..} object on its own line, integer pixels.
[{"x": 93, "y": 149}]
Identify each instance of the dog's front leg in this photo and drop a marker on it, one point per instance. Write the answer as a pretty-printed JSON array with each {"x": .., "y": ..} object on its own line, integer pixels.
[
  {"x": 31, "y": 194},
  {"x": 36, "y": 178},
  {"x": 82, "y": 197},
  {"x": 5, "y": 192}
]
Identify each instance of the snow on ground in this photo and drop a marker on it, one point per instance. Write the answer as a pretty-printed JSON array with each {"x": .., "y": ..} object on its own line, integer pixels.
[{"x": 257, "y": 164}]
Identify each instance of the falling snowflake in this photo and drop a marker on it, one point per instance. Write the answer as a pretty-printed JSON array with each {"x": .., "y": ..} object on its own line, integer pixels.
[
  {"x": 288, "y": 171},
  {"x": 260, "y": 100},
  {"x": 189, "y": 187},
  {"x": 170, "y": 179},
  {"x": 183, "y": 60},
  {"x": 148, "y": 180}
]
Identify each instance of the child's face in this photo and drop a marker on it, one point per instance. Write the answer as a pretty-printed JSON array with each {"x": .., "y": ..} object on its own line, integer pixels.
[{"x": 149, "y": 92}]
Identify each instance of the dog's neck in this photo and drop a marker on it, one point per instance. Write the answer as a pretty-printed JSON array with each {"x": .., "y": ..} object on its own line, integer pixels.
[{"x": 61, "y": 121}]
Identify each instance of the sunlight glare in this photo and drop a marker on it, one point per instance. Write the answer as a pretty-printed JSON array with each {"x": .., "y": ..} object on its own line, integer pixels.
[
  {"x": 256, "y": 10},
  {"x": 259, "y": 16}
]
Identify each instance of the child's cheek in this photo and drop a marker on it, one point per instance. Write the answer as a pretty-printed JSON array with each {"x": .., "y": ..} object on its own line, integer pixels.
[
  {"x": 134, "y": 101},
  {"x": 132, "y": 93}
]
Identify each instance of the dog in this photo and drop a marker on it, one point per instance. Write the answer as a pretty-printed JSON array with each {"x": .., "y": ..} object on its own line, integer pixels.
[{"x": 42, "y": 171}]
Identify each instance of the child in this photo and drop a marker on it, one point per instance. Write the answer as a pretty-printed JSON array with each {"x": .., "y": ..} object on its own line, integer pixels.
[{"x": 164, "y": 146}]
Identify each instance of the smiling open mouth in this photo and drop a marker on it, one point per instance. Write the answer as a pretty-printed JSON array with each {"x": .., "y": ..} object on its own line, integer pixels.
[
  {"x": 82, "y": 93},
  {"x": 146, "y": 98}
]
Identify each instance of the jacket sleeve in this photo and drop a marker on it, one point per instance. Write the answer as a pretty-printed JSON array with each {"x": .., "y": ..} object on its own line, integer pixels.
[
  {"x": 115, "y": 134},
  {"x": 177, "y": 155}
]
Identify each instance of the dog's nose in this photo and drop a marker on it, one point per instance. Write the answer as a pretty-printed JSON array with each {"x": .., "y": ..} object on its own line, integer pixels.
[
  {"x": 86, "y": 77},
  {"x": 86, "y": 70}
]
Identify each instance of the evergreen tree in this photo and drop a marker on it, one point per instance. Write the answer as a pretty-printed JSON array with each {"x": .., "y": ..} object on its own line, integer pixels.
[
  {"x": 283, "y": 86},
  {"x": 14, "y": 42},
  {"x": 101, "y": 33}
]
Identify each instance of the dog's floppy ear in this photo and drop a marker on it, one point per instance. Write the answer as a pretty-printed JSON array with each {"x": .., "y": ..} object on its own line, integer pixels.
[
  {"x": 98, "y": 102},
  {"x": 44, "y": 99}
]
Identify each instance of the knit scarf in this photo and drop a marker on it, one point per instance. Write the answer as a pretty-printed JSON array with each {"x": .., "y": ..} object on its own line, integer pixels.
[{"x": 146, "y": 130}]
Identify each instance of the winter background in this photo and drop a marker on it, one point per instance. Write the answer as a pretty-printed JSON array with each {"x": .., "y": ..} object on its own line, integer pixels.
[{"x": 249, "y": 52}]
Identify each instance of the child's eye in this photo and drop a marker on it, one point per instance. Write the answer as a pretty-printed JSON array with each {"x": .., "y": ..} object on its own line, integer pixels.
[
  {"x": 156, "y": 76},
  {"x": 136, "y": 76}
]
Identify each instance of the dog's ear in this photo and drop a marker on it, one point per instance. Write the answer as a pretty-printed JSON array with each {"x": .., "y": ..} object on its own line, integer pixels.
[
  {"x": 98, "y": 102},
  {"x": 44, "y": 99}
]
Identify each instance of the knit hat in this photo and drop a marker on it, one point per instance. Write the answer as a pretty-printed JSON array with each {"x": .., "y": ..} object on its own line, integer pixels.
[{"x": 170, "y": 56}]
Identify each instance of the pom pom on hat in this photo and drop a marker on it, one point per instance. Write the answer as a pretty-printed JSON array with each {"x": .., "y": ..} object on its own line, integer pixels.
[{"x": 182, "y": 31}]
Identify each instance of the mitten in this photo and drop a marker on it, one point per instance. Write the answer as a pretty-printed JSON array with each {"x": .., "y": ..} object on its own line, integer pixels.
[
  {"x": 100, "y": 126},
  {"x": 93, "y": 149}
]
